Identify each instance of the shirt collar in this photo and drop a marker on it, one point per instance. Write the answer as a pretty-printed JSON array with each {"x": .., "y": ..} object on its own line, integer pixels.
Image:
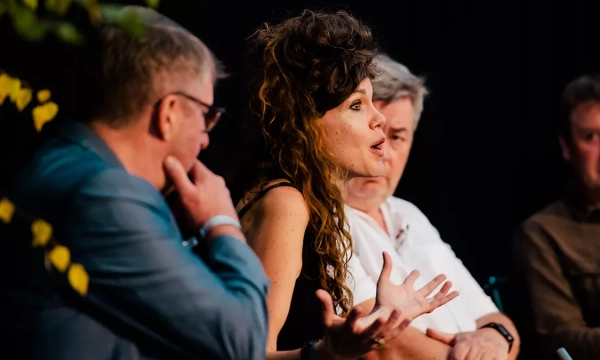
[
  {"x": 83, "y": 135},
  {"x": 578, "y": 206}
]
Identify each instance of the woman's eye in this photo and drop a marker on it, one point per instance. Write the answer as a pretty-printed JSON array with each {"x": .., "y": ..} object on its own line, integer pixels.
[{"x": 355, "y": 106}]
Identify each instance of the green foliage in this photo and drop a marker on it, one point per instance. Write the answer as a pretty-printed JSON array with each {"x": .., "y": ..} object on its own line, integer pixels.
[
  {"x": 25, "y": 18},
  {"x": 125, "y": 20},
  {"x": 68, "y": 33},
  {"x": 152, "y": 3}
]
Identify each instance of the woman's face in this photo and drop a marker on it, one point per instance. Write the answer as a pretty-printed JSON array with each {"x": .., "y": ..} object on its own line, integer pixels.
[{"x": 353, "y": 134}]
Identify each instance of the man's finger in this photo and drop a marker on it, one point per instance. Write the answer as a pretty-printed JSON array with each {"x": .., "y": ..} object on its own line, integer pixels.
[
  {"x": 199, "y": 171},
  {"x": 177, "y": 174},
  {"x": 446, "y": 338},
  {"x": 462, "y": 351}
]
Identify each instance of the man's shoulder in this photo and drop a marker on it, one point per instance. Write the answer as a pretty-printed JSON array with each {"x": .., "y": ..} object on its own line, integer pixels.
[
  {"x": 407, "y": 209},
  {"x": 402, "y": 204},
  {"x": 421, "y": 230},
  {"x": 546, "y": 216},
  {"x": 61, "y": 172},
  {"x": 54, "y": 171},
  {"x": 114, "y": 182},
  {"x": 539, "y": 229}
]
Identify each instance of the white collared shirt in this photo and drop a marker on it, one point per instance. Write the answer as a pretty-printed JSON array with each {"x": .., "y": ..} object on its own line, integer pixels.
[{"x": 414, "y": 244}]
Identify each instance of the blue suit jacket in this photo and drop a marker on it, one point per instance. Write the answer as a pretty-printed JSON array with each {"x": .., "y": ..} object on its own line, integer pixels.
[{"x": 149, "y": 296}]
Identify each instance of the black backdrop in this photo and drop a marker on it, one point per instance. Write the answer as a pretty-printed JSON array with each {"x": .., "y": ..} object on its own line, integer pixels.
[{"x": 485, "y": 154}]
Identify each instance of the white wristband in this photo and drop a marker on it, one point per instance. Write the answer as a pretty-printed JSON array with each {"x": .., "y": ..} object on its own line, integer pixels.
[{"x": 216, "y": 221}]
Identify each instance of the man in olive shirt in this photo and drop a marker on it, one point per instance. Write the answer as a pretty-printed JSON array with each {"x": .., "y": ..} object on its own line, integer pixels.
[{"x": 558, "y": 249}]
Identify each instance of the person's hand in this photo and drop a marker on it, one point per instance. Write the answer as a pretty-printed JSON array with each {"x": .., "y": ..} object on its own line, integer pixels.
[
  {"x": 404, "y": 299},
  {"x": 345, "y": 338},
  {"x": 483, "y": 344},
  {"x": 203, "y": 197}
]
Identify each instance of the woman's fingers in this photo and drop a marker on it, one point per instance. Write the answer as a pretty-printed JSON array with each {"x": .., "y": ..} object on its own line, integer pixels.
[
  {"x": 411, "y": 278},
  {"x": 444, "y": 290},
  {"x": 428, "y": 289},
  {"x": 439, "y": 301}
]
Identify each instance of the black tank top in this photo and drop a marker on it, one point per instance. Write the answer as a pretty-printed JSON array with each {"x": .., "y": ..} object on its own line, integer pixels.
[{"x": 303, "y": 323}]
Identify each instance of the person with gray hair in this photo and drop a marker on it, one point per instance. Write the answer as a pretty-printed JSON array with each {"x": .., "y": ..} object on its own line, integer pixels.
[
  {"x": 471, "y": 326},
  {"x": 118, "y": 280}
]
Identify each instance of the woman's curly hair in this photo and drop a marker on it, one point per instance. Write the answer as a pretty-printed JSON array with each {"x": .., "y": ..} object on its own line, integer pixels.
[{"x": 304, "y": 67}]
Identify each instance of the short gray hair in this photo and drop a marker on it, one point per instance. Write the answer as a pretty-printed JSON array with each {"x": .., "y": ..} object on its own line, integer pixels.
[
  {"x": 394, "y": 81},
  {"x": 134, "y": 70}
]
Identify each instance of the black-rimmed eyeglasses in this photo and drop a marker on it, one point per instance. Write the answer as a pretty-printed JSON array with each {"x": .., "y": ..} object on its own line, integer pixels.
[{"x": 211, "y": 116}]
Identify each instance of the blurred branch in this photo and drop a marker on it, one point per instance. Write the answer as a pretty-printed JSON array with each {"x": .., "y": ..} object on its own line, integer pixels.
[{"x": 33, "y": 21}]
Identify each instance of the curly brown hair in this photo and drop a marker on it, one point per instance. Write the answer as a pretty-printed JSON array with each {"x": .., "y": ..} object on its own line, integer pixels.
[{"x": 304, "y": 67}]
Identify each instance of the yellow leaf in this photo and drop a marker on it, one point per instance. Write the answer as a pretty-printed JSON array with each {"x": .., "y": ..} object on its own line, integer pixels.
[
  {"x": 44, "y": 113},
  {"x": 43, "y": 95},
  {"x": 42, "y": 232},
  {"x": 8, "y": 85},
  {"x": 31, "y": 3},
  {"x": 60, "y": 257},
  {"x": 23, "y": 98},
  {"x": 7, "y": 210},
  {"x": 94, "y": 12},
  {"x": 78, "y": 278},
  {"x": 14, "y": 89}
]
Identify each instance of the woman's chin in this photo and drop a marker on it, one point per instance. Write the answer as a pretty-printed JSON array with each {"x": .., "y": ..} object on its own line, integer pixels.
[
  {"x": 377, "y": 170},
  {"x": 369, "y": 171},
  {"x": 370, "y": 174}
]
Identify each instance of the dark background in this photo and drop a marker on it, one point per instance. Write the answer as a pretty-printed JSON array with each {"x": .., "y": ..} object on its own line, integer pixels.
[{"x": 485, "y": 155}]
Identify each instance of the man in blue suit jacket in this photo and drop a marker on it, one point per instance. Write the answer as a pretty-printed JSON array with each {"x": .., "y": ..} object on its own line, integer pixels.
[{"x": 98, "y": 182}]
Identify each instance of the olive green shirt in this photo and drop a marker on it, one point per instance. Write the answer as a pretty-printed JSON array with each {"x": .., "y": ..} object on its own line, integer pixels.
[{"x": 558, "y": 262}]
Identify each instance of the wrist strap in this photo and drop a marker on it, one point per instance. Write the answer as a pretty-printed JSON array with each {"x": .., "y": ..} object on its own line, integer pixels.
[
  {"x": 502, "y": 330},
  {"x": 216, "y": 221}
]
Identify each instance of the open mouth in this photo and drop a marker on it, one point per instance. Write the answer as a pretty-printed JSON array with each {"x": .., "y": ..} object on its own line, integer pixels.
[{"x": 377, "y": 146}]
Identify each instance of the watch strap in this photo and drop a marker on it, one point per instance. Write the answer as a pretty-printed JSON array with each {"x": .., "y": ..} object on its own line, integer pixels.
[{"x": 502, "y": 330}]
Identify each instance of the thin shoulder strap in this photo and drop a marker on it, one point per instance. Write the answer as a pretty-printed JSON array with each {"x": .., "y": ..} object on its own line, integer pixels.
[{"x": 260, "y": 195}]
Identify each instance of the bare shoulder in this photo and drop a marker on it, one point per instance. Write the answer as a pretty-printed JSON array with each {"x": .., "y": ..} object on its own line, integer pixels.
[
  {"x": 278, "y": 201},
  {"x": 284, "y": 202},
  {"x": 275, "y": 225}
]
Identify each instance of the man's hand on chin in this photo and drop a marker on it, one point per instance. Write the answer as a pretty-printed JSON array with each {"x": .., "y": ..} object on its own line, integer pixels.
[{"x": 482, "y": 344}]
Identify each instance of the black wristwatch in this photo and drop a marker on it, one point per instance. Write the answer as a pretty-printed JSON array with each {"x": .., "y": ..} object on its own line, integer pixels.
[
  {"x": 308, "y": 351},
  {"x": 502, "y": 330}
]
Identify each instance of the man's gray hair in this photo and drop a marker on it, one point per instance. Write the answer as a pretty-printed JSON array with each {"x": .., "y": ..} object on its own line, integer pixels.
[
  {"x": 135, "y": 71},
  {"x": 394, "y": 81}
]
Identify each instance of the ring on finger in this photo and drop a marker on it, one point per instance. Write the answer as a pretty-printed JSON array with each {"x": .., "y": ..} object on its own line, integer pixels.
[
  {"x": 429, "y": 300},
  {"x": 379, "y": 342}
]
